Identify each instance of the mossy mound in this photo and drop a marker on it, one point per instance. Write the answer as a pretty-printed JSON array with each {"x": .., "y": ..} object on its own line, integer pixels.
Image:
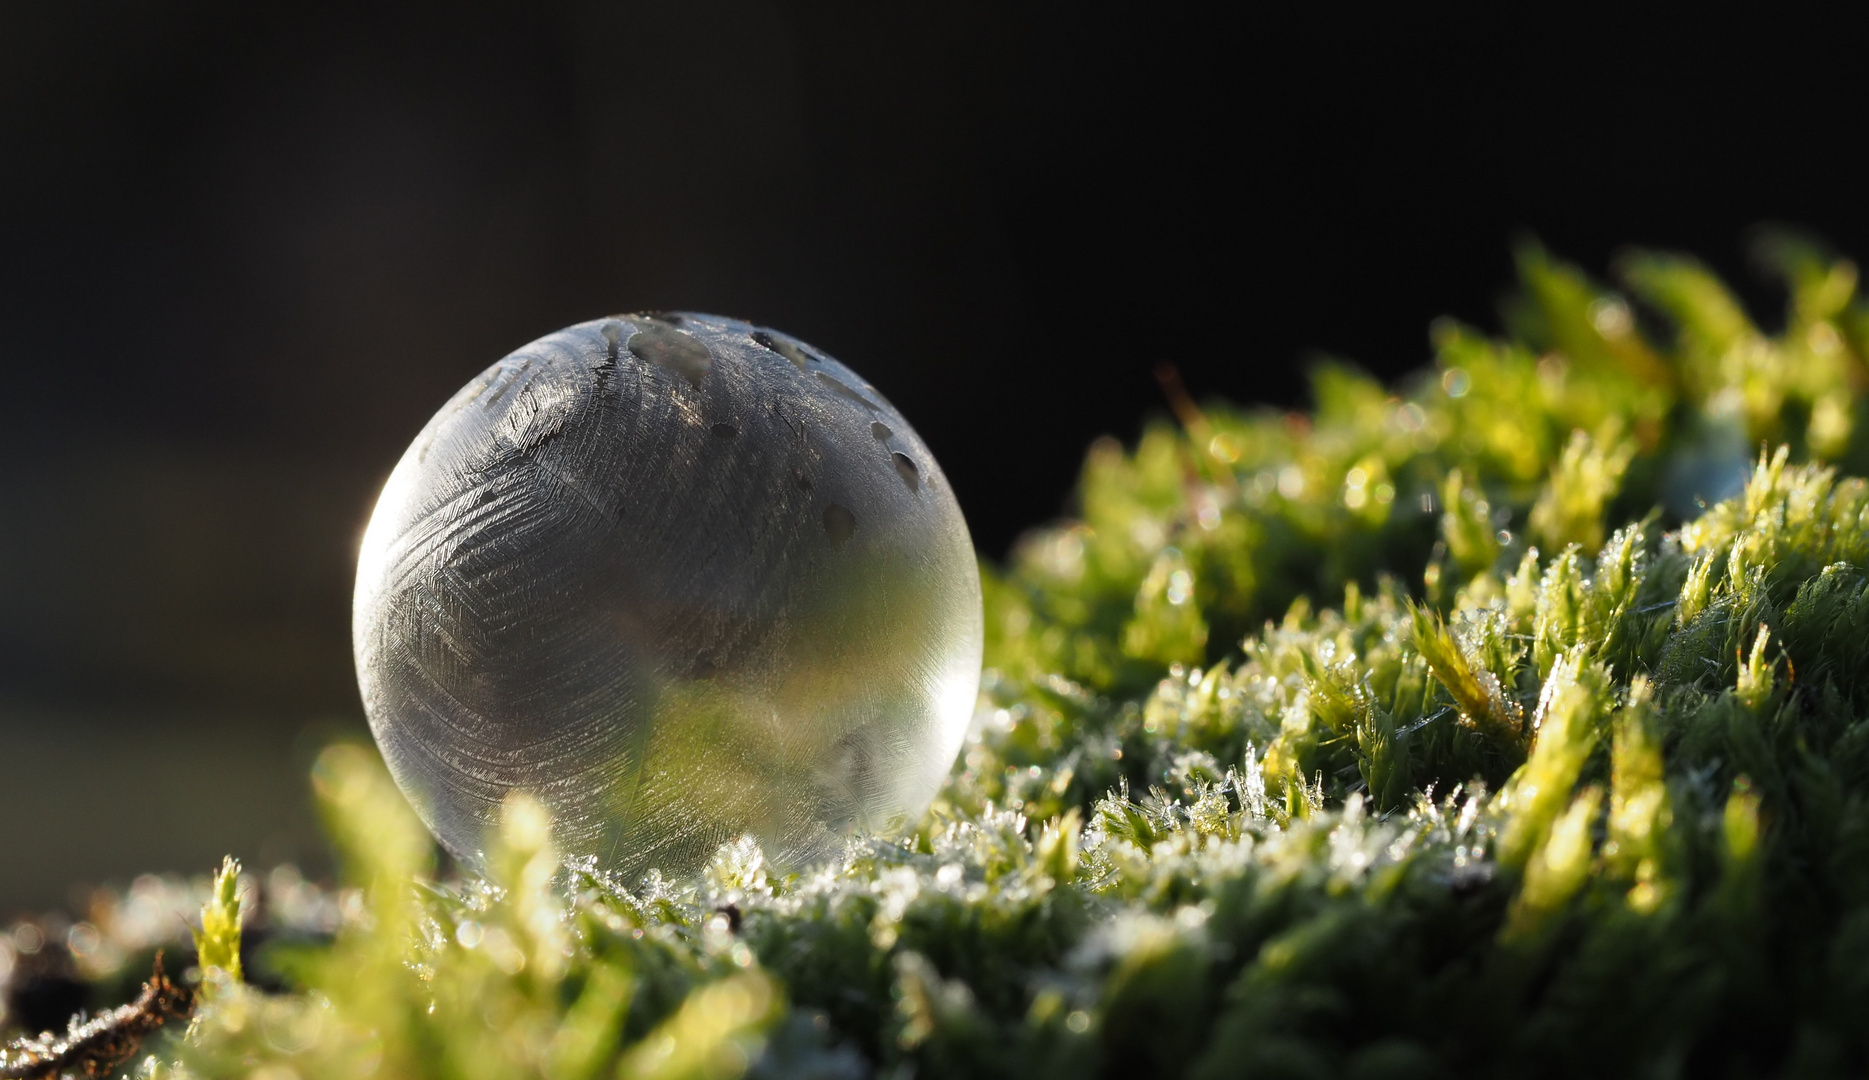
[{"x": 1508, "y": 723}]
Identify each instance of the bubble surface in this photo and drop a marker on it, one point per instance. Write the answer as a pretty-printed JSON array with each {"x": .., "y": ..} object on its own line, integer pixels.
[{"x": 661, "y": 572}]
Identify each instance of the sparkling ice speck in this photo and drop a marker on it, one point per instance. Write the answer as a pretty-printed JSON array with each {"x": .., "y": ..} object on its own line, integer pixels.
[{"x": 682, "y": 578}]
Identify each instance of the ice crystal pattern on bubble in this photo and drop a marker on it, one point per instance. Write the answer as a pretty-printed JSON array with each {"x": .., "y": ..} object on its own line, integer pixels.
[{"x": 682, "y": 579}]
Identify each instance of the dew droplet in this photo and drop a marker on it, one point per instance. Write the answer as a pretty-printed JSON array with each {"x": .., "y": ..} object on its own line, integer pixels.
[
  {"x": 880, "y": 430},
  {"x": 671, "y": 350},
  {"x": 839, "y": 523},
  {"x": 905, "y": 468}
]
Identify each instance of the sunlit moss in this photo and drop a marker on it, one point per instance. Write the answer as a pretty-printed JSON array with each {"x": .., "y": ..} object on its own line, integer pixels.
[
  {"x": 217, "y": 946},
  {"x": 1509, "y": 721}
]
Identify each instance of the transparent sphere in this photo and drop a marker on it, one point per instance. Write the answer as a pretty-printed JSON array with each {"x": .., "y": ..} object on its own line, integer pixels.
[{"x": 682, "y": 578}]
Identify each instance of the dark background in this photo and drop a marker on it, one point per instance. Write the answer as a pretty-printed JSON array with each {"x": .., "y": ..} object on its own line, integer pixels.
[{"x": 246, "y": 251}]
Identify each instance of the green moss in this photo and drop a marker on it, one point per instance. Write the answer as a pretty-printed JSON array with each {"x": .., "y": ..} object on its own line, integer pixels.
[
  {"x": 1440, "y": 731},
  {"x": 217, "y": 946}
]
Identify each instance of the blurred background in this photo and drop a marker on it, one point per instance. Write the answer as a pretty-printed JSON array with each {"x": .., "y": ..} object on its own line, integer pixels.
[{"x": 247, "y": 250}]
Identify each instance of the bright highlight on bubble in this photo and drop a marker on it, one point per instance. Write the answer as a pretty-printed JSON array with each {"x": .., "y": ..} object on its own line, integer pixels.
[{"x": 683, "y": 579}]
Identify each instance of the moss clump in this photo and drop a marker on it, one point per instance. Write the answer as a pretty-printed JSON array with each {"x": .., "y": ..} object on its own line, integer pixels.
[{"x": 1511, "y": 722}]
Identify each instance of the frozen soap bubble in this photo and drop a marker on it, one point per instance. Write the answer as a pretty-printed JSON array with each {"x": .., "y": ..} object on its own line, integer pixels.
[{"x": 683, "y": 579}]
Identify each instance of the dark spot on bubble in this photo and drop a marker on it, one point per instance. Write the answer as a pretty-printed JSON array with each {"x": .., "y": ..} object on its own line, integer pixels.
[
  {"x": 804, "y": 482},
  {"x": 671, "y": 350},
  {"x": 843, "y": 391},
  {"x": 839, "y": 523},
  {"x": 880, "y": 430},
  {"x": 725, "y": 431},
  {"x": 799, "y": 357},
  {"x": 668, "y": 317},
  {"x": 906, "y": 469},
  {"x": 704, "y": 668},
  {"x": 732, "y": 912}
]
